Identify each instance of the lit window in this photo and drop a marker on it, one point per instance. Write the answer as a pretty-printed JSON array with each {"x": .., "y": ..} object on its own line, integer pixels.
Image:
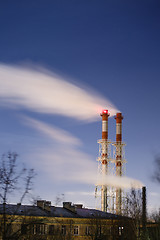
[
  {"x": 76, "y": 230},
  {"x": 120, "y": 230}
]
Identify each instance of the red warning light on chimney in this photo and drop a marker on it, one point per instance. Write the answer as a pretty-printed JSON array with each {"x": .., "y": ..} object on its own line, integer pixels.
[
  {"x": 105, "y": 116},
  {"x": 105, "y": 111}
]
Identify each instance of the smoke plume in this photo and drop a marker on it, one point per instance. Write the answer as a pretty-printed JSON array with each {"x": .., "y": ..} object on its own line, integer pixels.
[
  {"x": 79, "y": 166},
  {"x": 40, "y": 90},
  {"x": 120, "y": 182},
  {"x": 108, "y": 180}
]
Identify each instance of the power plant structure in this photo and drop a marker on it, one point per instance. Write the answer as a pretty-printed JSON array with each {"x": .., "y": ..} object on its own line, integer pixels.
[{"x": 111, "y": 162}]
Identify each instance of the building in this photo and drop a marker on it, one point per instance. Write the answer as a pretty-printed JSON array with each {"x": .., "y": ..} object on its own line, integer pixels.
[{"x": 70, "y": 222}]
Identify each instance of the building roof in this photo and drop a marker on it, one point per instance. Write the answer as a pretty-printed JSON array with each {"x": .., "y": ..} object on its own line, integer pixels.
[{"x": 32, "y": 210}]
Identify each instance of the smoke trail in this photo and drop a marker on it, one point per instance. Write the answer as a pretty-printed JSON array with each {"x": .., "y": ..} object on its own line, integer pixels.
[
  {"x": 120, "y": 182},
  {"x": 108, "y": 180},
  {"x": 42, "y": 91},
  {"x": 56, "y": 134},
  {"x": 83, "y": 170}
]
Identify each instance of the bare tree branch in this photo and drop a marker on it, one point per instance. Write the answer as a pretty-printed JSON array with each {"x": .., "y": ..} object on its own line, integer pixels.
[{"x": 12, "y": 179}]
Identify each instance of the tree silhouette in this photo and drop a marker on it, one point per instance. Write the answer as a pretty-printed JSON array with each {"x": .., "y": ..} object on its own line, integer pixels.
[{"x": 12, "y": 181}]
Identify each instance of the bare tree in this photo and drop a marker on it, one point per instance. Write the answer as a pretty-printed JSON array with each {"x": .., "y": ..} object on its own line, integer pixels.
[
  {"x": 97, "y": 229},
  {"x": 60, "y": 198},
  {"x": 94, "y": 229},
  {"x": 12, "y": 181},
  {"x": 133, "y": 210},
  {"x": 156, "y": 174},
  {"x": 154, "y": 227}
]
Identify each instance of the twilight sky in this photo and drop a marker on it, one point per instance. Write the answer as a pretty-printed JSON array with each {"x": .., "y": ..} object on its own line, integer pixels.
[{"x": 61, "y": 62}]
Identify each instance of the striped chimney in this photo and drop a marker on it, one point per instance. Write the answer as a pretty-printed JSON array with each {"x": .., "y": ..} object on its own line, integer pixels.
[
  {"x": 105, "y": 116},
  {"x": 118, "y": 118},
  {"x": 104, "y": 158}
]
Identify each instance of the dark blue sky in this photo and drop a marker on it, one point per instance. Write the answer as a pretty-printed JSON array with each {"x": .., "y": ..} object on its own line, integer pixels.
[
  {"x": 111, "y": 46},
  {"x": 113, "y": 42}
]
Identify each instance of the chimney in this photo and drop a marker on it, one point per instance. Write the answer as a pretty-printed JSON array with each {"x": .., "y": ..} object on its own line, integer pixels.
[
  {"x": 45, "y": 205},
  {"x": 78, "y": 206},
  {"x": 119, "y": 162},
  {"x": 144, "y": 212},
  {"x": 104, "y": 160},
  {"x": 69, "y": 206},
  {"x": 40, "y": 204}
]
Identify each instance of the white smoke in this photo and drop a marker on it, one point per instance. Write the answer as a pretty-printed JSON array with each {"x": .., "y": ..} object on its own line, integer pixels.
[
  {"x": 108, "y": 180},
  {"x": 76, "y": 166},
  {"x": 61, "y": 153},
  {"x": 56, "y": 134},
  {"x": 42, "y": 91},
  {"x": 120, "y": 182}
]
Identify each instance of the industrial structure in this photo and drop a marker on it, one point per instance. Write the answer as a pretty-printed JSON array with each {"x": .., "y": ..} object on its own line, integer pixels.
[{"x": 111, "y": 162}]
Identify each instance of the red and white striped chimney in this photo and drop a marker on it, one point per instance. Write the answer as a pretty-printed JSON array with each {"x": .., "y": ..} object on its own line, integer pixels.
[
  {"x": 118, "y": 118},
  {"x": 104, "y": 157},
  {"x": 105, "y": 116}
]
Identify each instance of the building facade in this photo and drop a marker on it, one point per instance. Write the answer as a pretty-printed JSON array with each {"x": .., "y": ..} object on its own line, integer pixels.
[{"x": 70, "y": 222}]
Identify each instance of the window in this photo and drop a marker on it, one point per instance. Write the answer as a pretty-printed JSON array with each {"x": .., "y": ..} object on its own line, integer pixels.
[
  {"x": 120, "y": 231},
  {"x": 63, "y": 230},
  {"x": 99, "y": 231},
  {"x": 88, "y": 230},
  {"x": 51, "y": 229},
  {"x": 76, "y": 230},
  {"x": 39, "y": 229},
  {"x": 43, "y": 229},
  {"x": 33, "y": 229}
]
